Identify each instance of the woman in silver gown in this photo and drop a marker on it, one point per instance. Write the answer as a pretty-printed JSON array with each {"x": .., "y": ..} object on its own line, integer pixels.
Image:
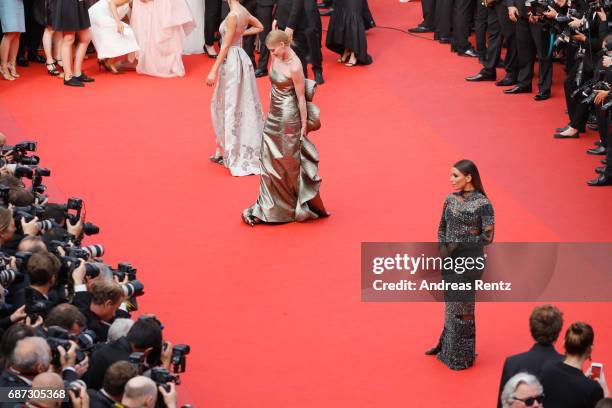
[
  {"x": 466, "y": 226},
  {"x": 235, "y": 107},
  {"x": 289, "y": 183}
]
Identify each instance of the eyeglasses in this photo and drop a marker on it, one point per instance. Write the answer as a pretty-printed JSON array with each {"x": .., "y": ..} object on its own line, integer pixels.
[{"x": 531, "y": 400}]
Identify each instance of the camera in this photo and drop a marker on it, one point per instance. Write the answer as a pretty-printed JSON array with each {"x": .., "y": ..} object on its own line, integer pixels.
[
  {"x": 60, "y": 337},
  {"x": 539, "y": 7},
  {"x": 9, "y": 276},
  {"x": 179, "y": 353},
  {"x": 20, "y": 151},
  {"x": 161, "y": 376},
  {"x": 125, "y": 269},
  {"x": 90, "y": 228}
]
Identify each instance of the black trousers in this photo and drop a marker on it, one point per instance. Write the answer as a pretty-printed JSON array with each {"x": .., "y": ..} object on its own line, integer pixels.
[
  {"x": 480, "y": 26},
  {"x": 314, "y": 32},
  {"x": 501, "y": 32},
  {"x": 463, "y": 11},
  {"x": 578, "y": 112},
  {"x": 31, "y": 39},
  {"x": 300, "y": 46},
  {"x": 265, "y": 14},
  {"x": 212, "y": 20},
  {"x": 608, "y": 171},
  {"x": 602, "y": 125},
  {"x": 429, "y": 14},
  {"x": 444, "y": 18},
  {"x": 532, "y": 39},
  {"x": 248, "y": 42}
]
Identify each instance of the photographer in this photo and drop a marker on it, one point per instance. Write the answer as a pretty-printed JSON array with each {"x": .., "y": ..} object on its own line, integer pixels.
[
  {"x": 144, "y": 337},
  {"x": 584, "y": 65},
  {"x": 101, "y": 304},
  {"x": 605, "y": 122},
  {"x": 42, "y": 269},
  {"x": 142, "y": 392},
  {"x": 113, "y": 386},
  {"x": 45, "y": 381},
  {"x": 8, "y": 239},
  {"x": 531, "y": 38},
  {"x": 501, "y": 31}
]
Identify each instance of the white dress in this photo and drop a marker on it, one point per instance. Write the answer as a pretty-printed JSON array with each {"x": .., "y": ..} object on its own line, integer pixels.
[
  {"x": 235, "y": 108},
  {"x": 194, "y": 43},
  {"x": 108, "y": 42}
]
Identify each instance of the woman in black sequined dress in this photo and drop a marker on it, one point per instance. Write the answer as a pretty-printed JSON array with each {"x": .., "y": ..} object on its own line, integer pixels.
[{"x": 466, "y": 226}]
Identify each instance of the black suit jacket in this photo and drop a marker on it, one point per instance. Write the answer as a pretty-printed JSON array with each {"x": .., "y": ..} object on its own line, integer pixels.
[
  {"x": 530, "y": 361},
  {"x": 82, "y": 300},
  {"x": 290, "y": 13},
  {"x": 102, "y": 358},
  {"x": 99, "y": 400}
]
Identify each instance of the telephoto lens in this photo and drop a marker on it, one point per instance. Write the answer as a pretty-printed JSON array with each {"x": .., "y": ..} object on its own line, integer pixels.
[
  {"x": 89, "y": 228},
  {"x": 96, "y": 250},
  {"x": 133, "y": 289},
  {"x": 46, "y": 225}
]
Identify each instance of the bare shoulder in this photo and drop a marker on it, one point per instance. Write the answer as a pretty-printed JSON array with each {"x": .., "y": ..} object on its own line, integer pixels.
[{"x": 296, "y": 68}]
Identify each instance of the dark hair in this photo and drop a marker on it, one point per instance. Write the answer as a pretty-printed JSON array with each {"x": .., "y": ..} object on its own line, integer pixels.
[
  {"x": 467, "y": 167},
  {"x": 41, "y": 267},
  {"x": 545, "y": 324},
  {"x": 20, "y": 197},
  {"x": 54, "y": 212},
  {"x": 604, "y": 403},
  {"x": 578, "y": 338},
  {"x": 147, "y": 333},
  {"x": 65, "y": 316},
  {"x": 15, "y": 333},
  {"x": 116, "y": 376}
]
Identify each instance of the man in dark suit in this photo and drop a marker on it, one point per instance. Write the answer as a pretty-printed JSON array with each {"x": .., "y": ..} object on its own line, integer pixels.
[
  {"x": 291, "y": 18},
  {"x": 314, "y": 32},
  {"x": 265, "y": 14},
  {"x": 115, "y": 378},
  {"x": 545, "y": 325}
]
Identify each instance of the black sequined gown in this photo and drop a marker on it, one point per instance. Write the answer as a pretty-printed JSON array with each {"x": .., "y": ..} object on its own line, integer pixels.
[{"x": 466, "y": 226}]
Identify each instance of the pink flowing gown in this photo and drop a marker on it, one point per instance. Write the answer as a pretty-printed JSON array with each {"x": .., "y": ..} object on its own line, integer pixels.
[{"x": 161, "y": 27}]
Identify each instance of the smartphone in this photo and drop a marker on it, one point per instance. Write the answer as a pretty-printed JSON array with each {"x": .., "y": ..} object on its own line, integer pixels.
[{"x": 596, "y": 370}]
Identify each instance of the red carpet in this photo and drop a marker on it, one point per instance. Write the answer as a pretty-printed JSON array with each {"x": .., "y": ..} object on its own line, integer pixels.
[{"x": 273, "y": 314}]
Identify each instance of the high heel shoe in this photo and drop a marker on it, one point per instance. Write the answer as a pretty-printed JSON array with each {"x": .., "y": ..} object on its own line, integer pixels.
[
  {"x": 353, "y": 62},
  {"x": 434, "y": 350},
  {"x": 344, "y": 58},
  {"x": 52, "y": 70},
  {"x": 6, "y": 75},
  {"x": 104, "y": 63},
  {"x": 13, "y": 71},
  {"x": 213, "y": 56},
  {"x": 217, "y": 159}
]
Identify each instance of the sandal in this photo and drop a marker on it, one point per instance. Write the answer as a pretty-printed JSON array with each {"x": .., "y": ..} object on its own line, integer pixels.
[
  {"x": 249, "y": 218},
  {"x": 13, "y": 71},
  {"x": 58, "y": 63},
  {"x": 344, "y": 58},
  {"x": 52, "y": 70},
  {"x": 217, "y": 159},
  {"x": 6, "y": 75}
]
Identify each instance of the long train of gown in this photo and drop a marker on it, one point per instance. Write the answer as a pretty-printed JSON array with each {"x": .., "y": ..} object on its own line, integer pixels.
[
  {"x": 194, "y": 43},
  {"x": 236, "y": 109},
  {"x": 108, "y": 42},
  {"x": 289, "y": 183},
  {"x": 161, "y": 27}
]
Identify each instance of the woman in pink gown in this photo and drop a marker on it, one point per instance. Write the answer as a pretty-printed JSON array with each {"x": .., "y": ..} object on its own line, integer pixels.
[{"x": 160, "y": 27}]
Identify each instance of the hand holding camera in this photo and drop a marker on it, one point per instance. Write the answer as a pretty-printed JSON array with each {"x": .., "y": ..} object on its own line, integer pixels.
[{"x": 168, "y": 396}]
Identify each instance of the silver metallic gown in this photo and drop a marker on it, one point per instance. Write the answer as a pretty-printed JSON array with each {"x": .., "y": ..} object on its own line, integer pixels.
[{"x": 289, "y": 183}]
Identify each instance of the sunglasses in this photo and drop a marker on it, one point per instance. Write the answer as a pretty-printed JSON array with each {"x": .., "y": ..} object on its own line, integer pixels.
[{"x": 531, "y": 400}]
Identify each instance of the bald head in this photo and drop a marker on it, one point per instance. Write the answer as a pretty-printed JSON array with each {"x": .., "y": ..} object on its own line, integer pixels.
[
  {"x": 140, "y": 391},
  {"x": 46, "y": 381},
  {"x": 31, "y": 356}
]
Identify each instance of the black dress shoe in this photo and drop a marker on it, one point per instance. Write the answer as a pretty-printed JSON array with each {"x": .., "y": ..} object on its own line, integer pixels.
[
  {"x": 468, "y": 53},
  {"x": 517, "y": 90},
  {"x": 84, "y": 78},
  {"x": 37, "y": 59},
  {"x": 22, "y": 62},
  {"x": 327, "y": 13},
  {"x": 600, "y": 181},
  {"x": 260, "y": 72},
  {"x": 318, "y": 76},
  {"x": 480, "y": 77},
  {"x": 74, "y": 82},
  {"x": 597, "y": 151},
  {"x": 562, "y": 136},
  {"x": 444, "y": 40},
  {"x": 507, "y": 81},
  {"x": 542, "y": 96},
  {"x": 600, "y": 170},
  {"x": 420, "y": 30},
  {"x": 433, "y": 351}
]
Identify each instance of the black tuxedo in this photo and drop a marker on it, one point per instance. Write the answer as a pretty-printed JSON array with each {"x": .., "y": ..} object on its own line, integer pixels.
[
  {"x": 212, "y": 20},
  {"x": 292, "y": 14},
  {"x": 530, "y": 361},
  {"x": 102, "y": 358},
  {"x": 501, "y": 31},
  {"x": 265, "y": 14}
]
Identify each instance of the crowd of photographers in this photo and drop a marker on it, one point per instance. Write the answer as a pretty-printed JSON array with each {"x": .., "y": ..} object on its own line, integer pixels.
[
  {"x": 65, "y": 320},
  {"x": 576, "y": 31}
]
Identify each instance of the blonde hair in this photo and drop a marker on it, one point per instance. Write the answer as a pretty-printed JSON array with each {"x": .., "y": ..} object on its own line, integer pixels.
[{"x": 276, "y": 37}]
